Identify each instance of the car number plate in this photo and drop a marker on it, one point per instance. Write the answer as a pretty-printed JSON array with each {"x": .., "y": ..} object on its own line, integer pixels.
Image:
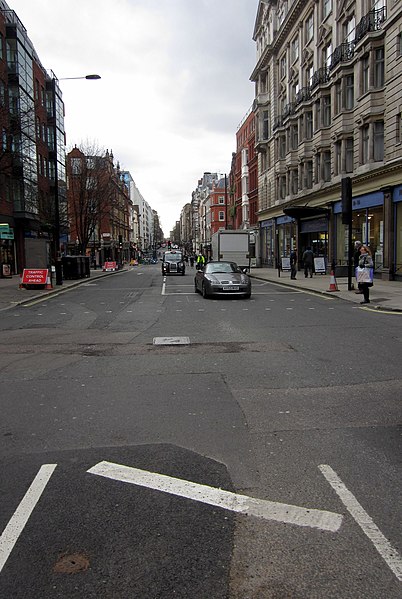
[{"x": 230, "y": 288}]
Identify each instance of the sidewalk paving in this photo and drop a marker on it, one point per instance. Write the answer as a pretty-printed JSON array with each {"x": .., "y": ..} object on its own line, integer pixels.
[
  {"x": 384, "y": 295},
  {"x": 11, "y": 295}
]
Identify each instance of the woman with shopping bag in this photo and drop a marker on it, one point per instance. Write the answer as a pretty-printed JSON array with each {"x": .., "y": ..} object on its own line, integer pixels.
[{"x": 365, "y": 273}]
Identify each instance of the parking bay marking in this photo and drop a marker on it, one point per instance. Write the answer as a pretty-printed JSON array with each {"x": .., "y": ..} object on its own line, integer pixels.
[
  {"x": 260, "y": 508},
  {"x": 21, "y": 515},
  {"x": 368, "y": 526}
]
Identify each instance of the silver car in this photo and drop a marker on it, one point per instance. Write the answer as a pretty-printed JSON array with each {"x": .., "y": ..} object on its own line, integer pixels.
[{"x": 222, "y": 278}]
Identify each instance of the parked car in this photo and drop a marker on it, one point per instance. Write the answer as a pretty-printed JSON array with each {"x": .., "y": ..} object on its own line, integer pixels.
[
  {"x": 222, "y": 278},
  {"x": 173, "y": 263}
]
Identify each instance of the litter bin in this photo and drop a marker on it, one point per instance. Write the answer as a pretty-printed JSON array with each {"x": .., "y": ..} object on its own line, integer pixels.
[
  {"x": 71, "y": 267},
  {"x": 86, "y": 266}
]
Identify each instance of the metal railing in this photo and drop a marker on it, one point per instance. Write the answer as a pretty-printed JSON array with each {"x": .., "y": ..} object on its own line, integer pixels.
[{"x": 370, "y": 22}]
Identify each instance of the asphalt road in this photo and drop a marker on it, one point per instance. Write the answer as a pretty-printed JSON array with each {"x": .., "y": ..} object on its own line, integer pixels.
[{"x": 272, "y": 427}]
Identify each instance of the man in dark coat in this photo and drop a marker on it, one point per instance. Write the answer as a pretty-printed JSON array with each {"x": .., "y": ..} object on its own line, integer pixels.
[{"x": 308, "y": 261}]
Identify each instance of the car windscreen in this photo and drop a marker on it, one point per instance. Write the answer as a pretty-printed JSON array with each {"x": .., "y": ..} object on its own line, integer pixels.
[
  {"x": 213, "y": 267},
  {"x": 173, "y": 258}
]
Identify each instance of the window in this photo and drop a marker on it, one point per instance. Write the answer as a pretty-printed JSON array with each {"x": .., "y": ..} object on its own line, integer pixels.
[
  {"x": 326, "y": 8},
  {"x": 309, "y": 124},
  {"x": 349, "y": 30},
  {"x": 399, "y": 44},
  {"x": 365, "y": 74},
  {"x": 294, "y": 49},
  {"x": 76, "y": 166},
  {"x": 221, "y": 215},
  {"x": 282, "y": 187},
  {"x": 349, "y": 155},
  {"x": 309, "y": 28},
  {"x": 309, "y": 75},
  {"x": 265, "y": 124},
  {"x": 2, "y": 93},
  {"x": 309, "y": 174},
  {"x": 221, "y": 200},
  {"x": 365, "y": 144},
  {"x": 338, "y": 157},
  {"x": 327, "y": 165},
  {"x": 338, "y": 97},
  {"x": 327, "y": 56},
  {"x": 379, "y": 67},
  {"x": 294, "y": 137},
  {"x": 283, "y": 66},
  {"x": 317, "y": 168},
  {"x": 326, "y": 111},
  {"x": 318, "y": 115},
  {"x": 398, "y": 128},
  {"x": 378, "y": 137},
  {"x": 282, "y": 146},
  {"x": 295, "y": 182},
  {"x": 349, "y": 92}
]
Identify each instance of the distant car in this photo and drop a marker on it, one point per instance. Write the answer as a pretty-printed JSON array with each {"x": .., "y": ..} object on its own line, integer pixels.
[
  {"x": 173, "y": 263},
  {"x": 222, "y": 278}
]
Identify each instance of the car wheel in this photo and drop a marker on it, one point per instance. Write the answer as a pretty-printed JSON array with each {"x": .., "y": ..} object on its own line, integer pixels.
[{"x": 204, "y": 292}]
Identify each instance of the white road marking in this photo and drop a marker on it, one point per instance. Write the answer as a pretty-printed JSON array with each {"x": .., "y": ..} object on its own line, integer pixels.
[
  {"x": 260, "y": 508},
  {"x": 171, "y": 340},
  {"x": 164, "y": 286},
  {"x": 366, "y": 523},
  {"x": 21, "y": 515}
]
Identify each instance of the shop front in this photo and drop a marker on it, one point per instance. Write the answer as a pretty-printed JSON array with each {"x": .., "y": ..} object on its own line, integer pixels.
[
  {"x": 367, "y": 227},
  {"x": 267, "y": 243}
]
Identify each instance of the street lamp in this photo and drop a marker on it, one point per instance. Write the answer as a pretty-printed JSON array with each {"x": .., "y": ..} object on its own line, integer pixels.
[{"x": 56, "y": 112}]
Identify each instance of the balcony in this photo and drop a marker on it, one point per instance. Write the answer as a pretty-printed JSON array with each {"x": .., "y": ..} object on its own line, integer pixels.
[
  {"x": 342, "y": 53},
  {"x": 303, "y": 95},
  {"x": 289, "y": 109},
  {"x": 278, "y": 122},
  {"x": 320, "y": 76},
  {"x": 370, "y": 22}
]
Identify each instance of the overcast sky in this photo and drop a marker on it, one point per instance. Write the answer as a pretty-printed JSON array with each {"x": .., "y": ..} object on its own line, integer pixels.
[{"x": 175, "y": 83}]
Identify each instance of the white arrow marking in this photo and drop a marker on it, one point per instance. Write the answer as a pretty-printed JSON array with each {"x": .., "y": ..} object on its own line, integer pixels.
[
  {"x": 21, "y": 515},
  {"x": 269, "y": 510},
  {"x": 368, "y": 526}
]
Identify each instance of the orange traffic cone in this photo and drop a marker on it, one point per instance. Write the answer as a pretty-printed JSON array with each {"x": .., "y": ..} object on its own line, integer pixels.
[
  {"x": 332, "y": 284},
  {"x": 21, "y": 285},
  {"x": 48, "y": 281}
]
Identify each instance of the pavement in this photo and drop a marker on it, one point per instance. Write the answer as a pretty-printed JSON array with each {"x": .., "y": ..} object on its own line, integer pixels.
[{"x": 384, "y": 295}]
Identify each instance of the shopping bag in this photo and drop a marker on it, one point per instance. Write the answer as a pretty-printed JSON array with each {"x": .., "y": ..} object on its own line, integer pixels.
[{"x": 364, "y": 275}]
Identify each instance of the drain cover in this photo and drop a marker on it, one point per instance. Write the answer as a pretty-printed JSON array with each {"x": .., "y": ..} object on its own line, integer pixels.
[
  {"x": 171, "y": 340},
  {"x": 71, "y": 564}
]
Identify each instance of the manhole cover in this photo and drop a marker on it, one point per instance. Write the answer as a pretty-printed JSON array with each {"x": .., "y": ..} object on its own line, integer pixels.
[
  {"x": 171, "y": 341},
  {"x": 71, "y": 564}
]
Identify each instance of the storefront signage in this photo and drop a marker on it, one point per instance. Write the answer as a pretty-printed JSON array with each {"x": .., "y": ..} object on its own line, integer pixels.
[
  {"x": 4, "y": 235},
  {"x": 285, "y": 263},
  {"x": 319, "y": 265},
  {"x": 34, "y": 276}
]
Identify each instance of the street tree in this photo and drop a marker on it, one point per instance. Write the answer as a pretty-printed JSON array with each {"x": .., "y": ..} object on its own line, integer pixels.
[{"x": 90, "y": 194}]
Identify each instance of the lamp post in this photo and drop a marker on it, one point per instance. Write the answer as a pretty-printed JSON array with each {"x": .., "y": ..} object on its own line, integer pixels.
[{"x": 56, "y": 102}]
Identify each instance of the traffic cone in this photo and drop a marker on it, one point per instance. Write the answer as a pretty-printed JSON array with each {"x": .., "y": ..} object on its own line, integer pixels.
[
  {"x": 21, "y": 285},
  {"x": 332, "y": 284},
  {"x": 48, "y": 281}
]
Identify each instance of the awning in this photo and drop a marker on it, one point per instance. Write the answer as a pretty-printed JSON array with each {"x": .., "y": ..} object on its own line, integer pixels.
[{"x": 299, "y": 212}]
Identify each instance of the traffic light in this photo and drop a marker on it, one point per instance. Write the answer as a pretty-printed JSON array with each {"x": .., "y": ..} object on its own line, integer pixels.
[{"x": 346, "y": 196}]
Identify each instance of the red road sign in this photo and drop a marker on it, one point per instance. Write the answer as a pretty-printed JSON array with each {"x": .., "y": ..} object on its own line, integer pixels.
[{"x": 34, "y": 276}]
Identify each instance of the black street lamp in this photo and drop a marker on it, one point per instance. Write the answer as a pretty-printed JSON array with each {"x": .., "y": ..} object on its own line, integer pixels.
[{"x": 58, "y": 113}]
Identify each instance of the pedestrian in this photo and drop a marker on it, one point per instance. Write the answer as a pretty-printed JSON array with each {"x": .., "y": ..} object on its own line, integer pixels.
[
  {"x": 200, "y": 261},
  {"x": 293, "y": 264},
  {"x": 364, "y": 273},
  {"x": 192, "y": 260},
  {"x": 356, "y": 258},
  {"x": 308, "y": 261}
]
